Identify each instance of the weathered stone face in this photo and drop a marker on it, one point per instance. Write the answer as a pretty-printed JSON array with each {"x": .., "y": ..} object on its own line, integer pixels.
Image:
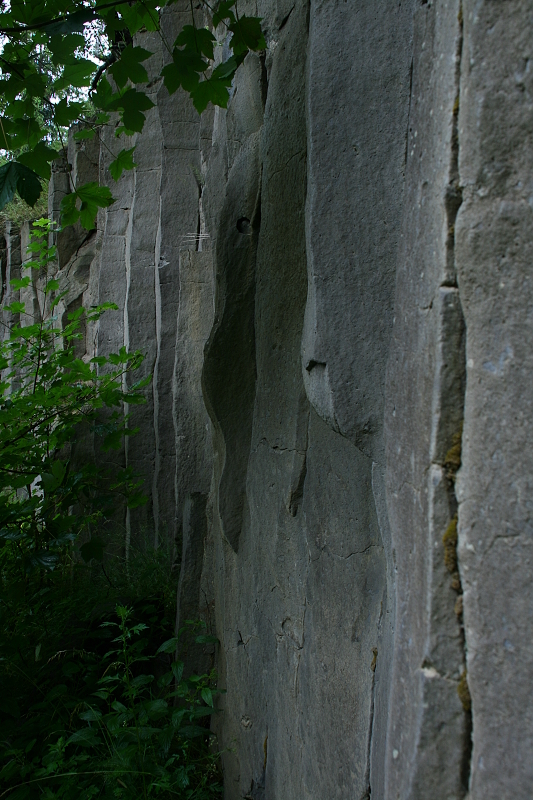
[
  {"x": 494, "y": 253},
  {"x": 330, "y": 281}
]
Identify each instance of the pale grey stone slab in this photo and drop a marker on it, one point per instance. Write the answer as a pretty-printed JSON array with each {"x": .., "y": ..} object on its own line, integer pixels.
[
  {"x": 494, "y": 256},
  {"x": 428, "y": 731},
  {"x": 357, "y": 109}
]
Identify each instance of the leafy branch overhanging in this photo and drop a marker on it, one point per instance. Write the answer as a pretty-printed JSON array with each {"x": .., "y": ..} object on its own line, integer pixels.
[{"x": 53, "y": 76}]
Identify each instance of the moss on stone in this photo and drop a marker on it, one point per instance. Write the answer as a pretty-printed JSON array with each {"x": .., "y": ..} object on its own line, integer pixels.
[
  {"x": 449, "y": 541},
  {"x": 452, "y": 459},
  {"x": 464, "y": 692},
  {"x": 456, "y": 583}
]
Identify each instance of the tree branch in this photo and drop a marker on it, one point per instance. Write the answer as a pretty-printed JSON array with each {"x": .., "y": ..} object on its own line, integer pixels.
[{"x": 40, "y": 25}]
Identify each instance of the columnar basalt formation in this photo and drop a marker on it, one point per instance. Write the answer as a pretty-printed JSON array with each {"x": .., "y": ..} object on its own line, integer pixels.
[{"x": 331, "y": 283}]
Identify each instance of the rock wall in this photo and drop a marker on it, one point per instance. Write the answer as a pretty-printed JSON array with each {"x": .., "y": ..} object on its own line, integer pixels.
[{"x": 330, "y": 282}]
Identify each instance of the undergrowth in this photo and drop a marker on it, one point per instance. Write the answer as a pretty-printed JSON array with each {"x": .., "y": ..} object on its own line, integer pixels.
[{"x": 94, "y": 702}]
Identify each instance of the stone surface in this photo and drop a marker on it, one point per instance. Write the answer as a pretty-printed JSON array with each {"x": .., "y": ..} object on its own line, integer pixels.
[
  {"x": 494, "y": 254},
  {"x": 358, "y": 103},
  {"x": 329, "y": 280},
  {"x": 428, "y": 732}
]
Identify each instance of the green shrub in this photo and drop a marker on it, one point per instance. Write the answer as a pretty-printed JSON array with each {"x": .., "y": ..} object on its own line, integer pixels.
[
  {"x": 46, "y": 393},
  {"x": 82, "y": 716},
  {"x": 123, "y": 723}
]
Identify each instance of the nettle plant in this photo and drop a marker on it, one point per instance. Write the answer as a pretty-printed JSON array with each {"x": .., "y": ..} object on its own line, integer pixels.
[
  {"x": 76, "y": 61},
  {"x": 124, "y": 724}
]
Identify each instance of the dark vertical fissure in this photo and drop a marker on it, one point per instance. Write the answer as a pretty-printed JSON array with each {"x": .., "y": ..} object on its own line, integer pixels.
[
  {"x": 198, "y": 237},
  {"x": 368, "y": 785},
  {"x": 199, "y": 225},
  {"x": 264, "y": 79},
  {"x": 453, "y": 458}
]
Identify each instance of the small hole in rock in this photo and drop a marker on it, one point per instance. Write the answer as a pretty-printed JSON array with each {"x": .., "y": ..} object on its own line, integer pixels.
[{"x": 244, "y": 226}]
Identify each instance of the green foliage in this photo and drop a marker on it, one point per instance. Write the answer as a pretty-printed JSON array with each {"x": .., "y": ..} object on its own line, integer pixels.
[
  {"x": 47, "y": 62},
  {"x": 46, "y": 393},
  {"x": 89, "y": 706},
  {"x": 129, "y": 66},
  {"x": 83, "y": 204},
  {"x": 16, "y": 177},
  {"x": 108, "y": 716},
  {"x": 123, "y": 161}
]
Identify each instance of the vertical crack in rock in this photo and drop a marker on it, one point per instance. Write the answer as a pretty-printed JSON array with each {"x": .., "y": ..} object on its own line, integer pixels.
[
  {"x": 127, "y": 264},
  {"x": 447, "y": 634},
  {"x": 453, "y": 457},
  {"x": 297, "y": 493},
  {"x": 199, "y": 178},
  {"x": 175, "y": 422},
  {"x": 454, "y": 195},
  {"x": 264, "y": 79},
  {"x": 368, "y": 790},
  {"x": 194, "y": 526},
  {"x": 428, "y": 725},
  {"x": 11, "y": 271},
  {"x": 381, "y": 678},
  {"x": 155, "y": 382}
]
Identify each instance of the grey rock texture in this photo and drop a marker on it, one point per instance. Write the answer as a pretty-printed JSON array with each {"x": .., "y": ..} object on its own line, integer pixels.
[
  {"x": 494, "y": 250},
  {"x": 428, "y": 731},
  {"x": 330, "y": 282}
]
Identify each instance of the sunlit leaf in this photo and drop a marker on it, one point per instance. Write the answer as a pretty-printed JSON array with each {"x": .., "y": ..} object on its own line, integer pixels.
[{"x": 17, "y": 283}]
